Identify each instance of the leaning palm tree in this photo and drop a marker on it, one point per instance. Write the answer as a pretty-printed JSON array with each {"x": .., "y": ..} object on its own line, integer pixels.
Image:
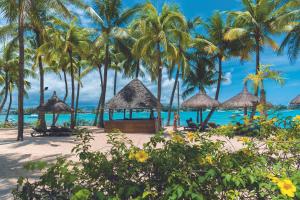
[
  {"x": 201, "y": 75},
  {"x": 258, "y": 79},
  {"x": 156, "y": 46},
  {"x": 219, "y": 49},
  {"x": 109, "y": 18},
  {"x": 292, "y": 43}
]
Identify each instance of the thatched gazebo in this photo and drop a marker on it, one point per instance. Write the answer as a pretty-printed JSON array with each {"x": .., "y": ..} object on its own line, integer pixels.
[
  {"x": 295, "y": 102},
  {"x": 199, "y": 102},
  {"x": 242, "y": 100},
  {"x": 134, "y": 96},
  {"x": 55, "y": 105}
]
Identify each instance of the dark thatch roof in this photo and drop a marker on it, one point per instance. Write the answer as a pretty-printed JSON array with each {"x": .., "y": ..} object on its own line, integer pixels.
[
  {"x": 295, "y": 101},
  {"x": 199, "y": 101},
  {"x": 134, "y": 95},
  {"x": 54, "y": 105},
  {"x": 241, "y": 100}
]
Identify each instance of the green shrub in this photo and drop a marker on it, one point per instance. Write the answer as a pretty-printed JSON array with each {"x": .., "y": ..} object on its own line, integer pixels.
[{"x": 180, "y": 166}]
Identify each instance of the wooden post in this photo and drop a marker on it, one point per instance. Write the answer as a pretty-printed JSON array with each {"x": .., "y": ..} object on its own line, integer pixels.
[
  {"x": 245, "y": 111},
  {"x": 124, "y": 113},
  {"x": 198, "y": 117},
  {"x": 53, "y": 119},
  {"x": 130, "y": 113},
  {"x": 201, "y": 116}
]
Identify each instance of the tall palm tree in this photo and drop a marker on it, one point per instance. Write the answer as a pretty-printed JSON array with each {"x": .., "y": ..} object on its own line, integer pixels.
[
  {"x": 265, "y": 73},
  {"x": 109, "y": 18},
  {"x": 18, "y": 11},
  {"x": 259, "y": 20},
  {"x": 74, "y": 42},
  {"x": 155, "y": 46},
  {"x": 292, "y": 43}
]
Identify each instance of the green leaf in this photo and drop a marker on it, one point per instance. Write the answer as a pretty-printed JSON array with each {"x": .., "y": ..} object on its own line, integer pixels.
[{"x": 82, "y": 194}]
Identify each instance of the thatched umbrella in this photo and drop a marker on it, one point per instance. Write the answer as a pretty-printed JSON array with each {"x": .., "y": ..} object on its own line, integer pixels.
[
  {"x": 55, "y": 105},
  {"x": 295, "y": 102},
  {"x": 199, "y": 102},
  {"x": 241, "y": 100},
  {"x": 134, "y": 95}
]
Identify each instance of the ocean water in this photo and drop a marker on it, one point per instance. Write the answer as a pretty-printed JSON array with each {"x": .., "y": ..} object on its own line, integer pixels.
[{"x": 220, "y": 117}]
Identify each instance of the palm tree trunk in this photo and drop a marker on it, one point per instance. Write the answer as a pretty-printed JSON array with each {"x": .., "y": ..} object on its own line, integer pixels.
[
  {"x": 6, "y": 91},
  {"x": 263, "y": 100},
  {"x": 217, "y": 91},
  {"x": 106, "y": 64},
  {"x": 9, "y": 106},
  {"x": 73, "y": 89},
  {"x": 159, "y": 82},
  {"x": 77, "y": 96},
  {"x": 137, "y": 71},
  {"x": 41, "y": 118},
  {"x": 257, "y": 50},
  {"x": 21, "y": 73},
  {"x": 66, "y": 92},
  {"x": 99, "y": 102},
  {"x": 172, "y": 97},
  {"x": 115, "y": 82}
]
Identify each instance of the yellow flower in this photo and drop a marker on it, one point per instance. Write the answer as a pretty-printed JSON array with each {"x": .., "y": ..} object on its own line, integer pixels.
[
  {"x": 246, "y": 120},
  {"x": 256, "y": 117},
  {"x": 131, "y": 155},
  {"x": 287, "y": 187},
  {"x": 244, "y": 139},
  {"x": 141, "y": 156},
  {"x": 207, "y": 160},
  {"x": 178, "y": 139},
  {"x": 273, "y": 178},
  {"x": 246, "y": 151},
  {"x": 297, "y": 118},
  {"x": 191, "y": 136}
]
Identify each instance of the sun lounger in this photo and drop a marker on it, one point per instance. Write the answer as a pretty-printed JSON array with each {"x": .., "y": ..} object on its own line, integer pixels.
[{"x": 53, "y": 131}]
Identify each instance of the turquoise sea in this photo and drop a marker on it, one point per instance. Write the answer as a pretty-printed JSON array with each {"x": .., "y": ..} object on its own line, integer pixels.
[{"x": 219, "y": 117}]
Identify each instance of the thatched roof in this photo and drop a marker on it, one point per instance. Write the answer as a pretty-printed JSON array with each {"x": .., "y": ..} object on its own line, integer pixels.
[
  {"x": 241, "y": 100},
  {"x": 295, "y": 101},
  {"x": 199, "y": 101},
  {"x": 134, "y": 95},
  {"x": 55, "y": 105}
]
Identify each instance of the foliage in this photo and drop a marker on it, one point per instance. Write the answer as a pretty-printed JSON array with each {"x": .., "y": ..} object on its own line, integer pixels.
[{"x": 176, "y": 166}]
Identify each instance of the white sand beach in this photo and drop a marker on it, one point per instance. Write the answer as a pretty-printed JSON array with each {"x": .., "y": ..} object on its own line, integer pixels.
[{"x": 14, "y": 154}]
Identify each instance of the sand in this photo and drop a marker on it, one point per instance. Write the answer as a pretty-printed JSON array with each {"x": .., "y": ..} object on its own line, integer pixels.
[{"x": 14, "y": 154}]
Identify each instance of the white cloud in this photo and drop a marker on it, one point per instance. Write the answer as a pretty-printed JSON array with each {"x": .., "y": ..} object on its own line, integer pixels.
[{"x": 228, "y": 78}]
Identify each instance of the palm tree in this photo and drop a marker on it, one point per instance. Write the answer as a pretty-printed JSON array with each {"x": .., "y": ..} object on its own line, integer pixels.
[
  {"x": 219, "y": 49},
  {"x": 73, "y": 42},
  {"x": 257, "y": 22},
  {"x": 18, "y": 11},
  {"x": 155, "y": 46},
  {"x": 108, "y": 16},
  {"x": 201, "y": 75},
  {"x": 292, "y": 43},
  {"x": 258, "y": 81}
]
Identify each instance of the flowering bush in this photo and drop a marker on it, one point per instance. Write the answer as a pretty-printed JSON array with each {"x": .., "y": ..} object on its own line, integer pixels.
[{"x": 176, "y": 166}]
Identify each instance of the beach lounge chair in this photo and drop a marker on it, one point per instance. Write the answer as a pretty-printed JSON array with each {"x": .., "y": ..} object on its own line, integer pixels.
[{"x": 191, "y": 126}]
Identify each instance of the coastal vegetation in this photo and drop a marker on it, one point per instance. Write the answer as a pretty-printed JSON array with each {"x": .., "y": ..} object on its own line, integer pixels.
[{"x": 45, "y": 36}]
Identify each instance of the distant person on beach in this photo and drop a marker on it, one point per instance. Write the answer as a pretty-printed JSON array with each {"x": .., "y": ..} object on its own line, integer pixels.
[{"x": 176, "y": 117}]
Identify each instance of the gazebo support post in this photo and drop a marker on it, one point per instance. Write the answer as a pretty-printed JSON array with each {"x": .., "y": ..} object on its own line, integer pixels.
[
  {"x": 198, "y": 120},
  {"x": 110, "y": 114},
  {"x": 245, "y": 111},
  {"x": 130, "y": 113},
  {"x": 151, "y": 114},
  {"x": 53, "y": 119},
  {"x": 124, "y": 113},
  {"x": 201, "y": 116}
]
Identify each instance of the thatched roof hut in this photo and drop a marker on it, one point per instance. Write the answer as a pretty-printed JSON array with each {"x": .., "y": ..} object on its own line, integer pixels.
[
  {"x": 134, "y": 95},
  {"x": 295, "y": 101},
  {"x": 241, "y": 100},
  {"x": 55, "y": 105},
  {"x": 200, "y": 101}
]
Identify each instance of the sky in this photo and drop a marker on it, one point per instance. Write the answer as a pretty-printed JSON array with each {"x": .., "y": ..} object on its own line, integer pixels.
[{"x": 234, "y": 71}]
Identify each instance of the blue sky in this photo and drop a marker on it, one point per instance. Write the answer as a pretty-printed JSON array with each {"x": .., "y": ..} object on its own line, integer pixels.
[{"x": 234, "y": 71}]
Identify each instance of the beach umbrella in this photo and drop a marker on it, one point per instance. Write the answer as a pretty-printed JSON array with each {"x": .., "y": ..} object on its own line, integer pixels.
[
  {"x": 242, "y": 100},
  {"x": 199, "y": 102},
  {"x": 295, "y": 102},
  {"x": 55, "y": 105}
]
